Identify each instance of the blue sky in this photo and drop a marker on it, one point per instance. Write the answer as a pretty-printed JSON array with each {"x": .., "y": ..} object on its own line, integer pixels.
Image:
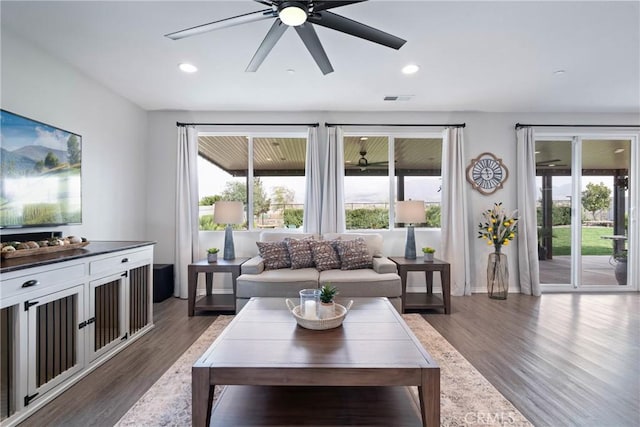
[{"x": 17, "y": 131}]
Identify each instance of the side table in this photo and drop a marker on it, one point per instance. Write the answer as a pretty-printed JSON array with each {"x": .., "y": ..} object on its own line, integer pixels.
[
  {"x": 423, "y": 300},
  {"x": 214, "y": 302}
]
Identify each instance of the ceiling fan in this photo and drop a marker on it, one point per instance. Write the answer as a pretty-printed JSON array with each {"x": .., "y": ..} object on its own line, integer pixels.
[
  {"x": 363, "y": 163},
  {"x": 549, "y": 163},
  {"x": 301, "y": 15}
]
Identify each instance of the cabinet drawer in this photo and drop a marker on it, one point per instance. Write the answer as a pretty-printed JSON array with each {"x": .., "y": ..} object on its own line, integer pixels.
[
  {"x": 122, "y": 261},
  {"x": 35, "y": 281}
]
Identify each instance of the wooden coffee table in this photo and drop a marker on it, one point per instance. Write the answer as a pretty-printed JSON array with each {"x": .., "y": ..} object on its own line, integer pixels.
[{"x": 263, "y": 346}]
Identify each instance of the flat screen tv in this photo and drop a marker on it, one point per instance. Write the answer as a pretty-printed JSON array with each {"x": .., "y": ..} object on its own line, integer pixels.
[{"x": 41, "y": 171}]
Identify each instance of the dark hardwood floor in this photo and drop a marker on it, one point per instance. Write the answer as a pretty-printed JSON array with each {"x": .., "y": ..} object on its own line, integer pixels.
[{"x": 562, "y": 359}]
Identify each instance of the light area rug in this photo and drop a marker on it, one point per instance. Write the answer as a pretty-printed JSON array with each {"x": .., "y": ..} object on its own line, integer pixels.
[{"x": 466, "y": 397}]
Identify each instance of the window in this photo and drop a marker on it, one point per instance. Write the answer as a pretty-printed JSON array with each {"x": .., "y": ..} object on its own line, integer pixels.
[
  {"x": 274, "y": 164},
  {"x": 414, "y": 168},
  {"x": 366, "y": 182}
]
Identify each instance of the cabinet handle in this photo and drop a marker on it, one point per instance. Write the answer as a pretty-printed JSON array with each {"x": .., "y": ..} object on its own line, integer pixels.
[
  {"x": 30, "y": 283},
  {"x": 125, "y": 260}
]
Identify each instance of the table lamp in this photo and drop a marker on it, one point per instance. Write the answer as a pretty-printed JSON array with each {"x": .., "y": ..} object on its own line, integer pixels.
[
  {"x": 410, "y": 212},
  {"x": 225, "y": 212}
]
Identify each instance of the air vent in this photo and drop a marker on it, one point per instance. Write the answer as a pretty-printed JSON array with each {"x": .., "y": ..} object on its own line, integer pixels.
[{"x": 398, "y": 97}]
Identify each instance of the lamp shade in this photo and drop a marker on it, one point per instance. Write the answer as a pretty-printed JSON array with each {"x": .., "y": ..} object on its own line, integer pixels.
[
  {"x": 225, "y": 212},
  {"x": 410, "y": 211}
]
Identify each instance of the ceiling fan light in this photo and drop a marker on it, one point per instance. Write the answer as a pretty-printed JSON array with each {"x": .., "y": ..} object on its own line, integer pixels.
[{"x": 292, "y": 14}]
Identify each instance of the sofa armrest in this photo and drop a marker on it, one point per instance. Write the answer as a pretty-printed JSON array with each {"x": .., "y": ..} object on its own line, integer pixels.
[
  {"x": 253, "y": 266},
  {"x": 383, "y": 265}
]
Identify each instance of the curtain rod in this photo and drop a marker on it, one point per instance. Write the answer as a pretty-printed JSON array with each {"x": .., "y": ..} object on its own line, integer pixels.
[
  {"x": 452, "y": 125},
  {"x": 315, "y": 125},
  {"x": 521, "y": 125}
]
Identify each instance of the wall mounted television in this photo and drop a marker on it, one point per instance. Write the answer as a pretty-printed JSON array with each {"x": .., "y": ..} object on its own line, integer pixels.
[{"x": 41, "y": 173}]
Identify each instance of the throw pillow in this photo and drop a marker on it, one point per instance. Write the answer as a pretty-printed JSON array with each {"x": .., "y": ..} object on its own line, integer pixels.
[
  {"x": 300, "y": 253},
  {"x": 325, "y": 256},
  {"x": 274, "y": 254},
  {"x": 354, "y": 254}
]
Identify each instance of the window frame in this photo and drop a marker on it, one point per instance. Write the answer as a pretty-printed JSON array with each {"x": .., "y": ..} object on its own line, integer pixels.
[
  {"x": 250, "y": 170},
  {"x": 391, "y": 138}
]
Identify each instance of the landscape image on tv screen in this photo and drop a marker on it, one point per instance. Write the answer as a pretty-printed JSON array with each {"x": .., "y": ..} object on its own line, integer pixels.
[{"x": 41, "y": 173}]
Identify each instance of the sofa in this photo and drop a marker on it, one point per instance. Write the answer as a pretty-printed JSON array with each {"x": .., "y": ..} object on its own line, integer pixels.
[{"x": 352, "y": 262}]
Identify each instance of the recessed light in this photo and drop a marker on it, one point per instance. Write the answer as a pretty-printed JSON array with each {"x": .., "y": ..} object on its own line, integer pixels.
[
  {"x": 551, "y": 165},
  {"x": 618, "y": 150},
  {"x": 410, "y": 69},
  {"x": 291, "y": 71},
  {"x": 364, "y": 138},
  {"x": 347, "y": 161},
  {"x": 188, "y": 68},
  {"x": 537, "y": 152},
  {"x": 559, "y": 72}
]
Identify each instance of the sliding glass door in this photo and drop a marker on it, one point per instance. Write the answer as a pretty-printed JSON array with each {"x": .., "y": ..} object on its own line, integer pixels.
[{"x": 585, "y": 234}]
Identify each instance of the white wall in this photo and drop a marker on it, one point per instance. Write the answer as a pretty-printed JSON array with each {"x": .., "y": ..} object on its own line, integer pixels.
[
  {"x": 492, "y": 132},
  {"x": 113, "y": 131}
]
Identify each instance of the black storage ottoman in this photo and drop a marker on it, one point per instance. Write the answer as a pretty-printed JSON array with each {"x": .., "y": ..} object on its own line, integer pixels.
[{"x": 162, "y": 282}]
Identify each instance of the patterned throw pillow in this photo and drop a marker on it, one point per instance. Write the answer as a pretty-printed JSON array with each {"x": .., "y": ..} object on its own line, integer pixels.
[
  {"x": 354, "y": 254},
  {"x": 299, "y": 252},
  {"x": 325, "y": 256},
  {"x": 274, "y": 254}
]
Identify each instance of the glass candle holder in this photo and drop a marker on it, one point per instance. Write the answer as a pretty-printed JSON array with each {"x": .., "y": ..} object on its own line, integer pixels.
[{"x": 309, "y": 303}]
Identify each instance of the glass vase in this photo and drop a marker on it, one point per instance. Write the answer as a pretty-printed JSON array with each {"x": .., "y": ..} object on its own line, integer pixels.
[{"x": 497, "y": 276}]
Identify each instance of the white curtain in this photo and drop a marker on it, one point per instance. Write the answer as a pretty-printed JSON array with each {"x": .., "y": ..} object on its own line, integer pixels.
[
  {"x": 527, "y": 224},
  {"x": 333, "y": 220},
  {"x": 455, "y": 233},
  {"x": 186, "y": 207},
  {"x": 313, "y": 180}
]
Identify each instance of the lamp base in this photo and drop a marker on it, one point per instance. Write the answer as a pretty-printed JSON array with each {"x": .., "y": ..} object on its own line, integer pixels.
[
  {"x": 229, "y": 250},
  {"x": 410, "y": 247}
]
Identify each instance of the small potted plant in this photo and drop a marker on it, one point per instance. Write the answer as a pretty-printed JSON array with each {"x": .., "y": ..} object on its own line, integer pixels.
[
  {"x": 212, "y": 254},
  {"x": 327, "y": 305},
  {"x": 428, "y": 253}
]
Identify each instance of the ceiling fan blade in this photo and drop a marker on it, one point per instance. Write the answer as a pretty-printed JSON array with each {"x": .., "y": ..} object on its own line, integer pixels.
[
  {"x": 275, "y": 32},
  {"x": 266, "y": 3},
  {"x": 354, "y": 28},
  {"x": 223, "y": 23},
  {"x": 324, "y": 5},
  {"x": 312, "y": 42},
  {"x": 546, "y": 162}
]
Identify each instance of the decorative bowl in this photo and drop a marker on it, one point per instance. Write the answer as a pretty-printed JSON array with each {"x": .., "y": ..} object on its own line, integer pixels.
[{"x": 319, "y": 324}]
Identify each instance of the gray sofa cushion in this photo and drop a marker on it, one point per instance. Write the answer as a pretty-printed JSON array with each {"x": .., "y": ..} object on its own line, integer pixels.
[
  {"x": 254, "y": 266},
  {"x": 383, "y": 265},
  {"x": 281, "y": 283},
  {"x": 362, "y": 283}
]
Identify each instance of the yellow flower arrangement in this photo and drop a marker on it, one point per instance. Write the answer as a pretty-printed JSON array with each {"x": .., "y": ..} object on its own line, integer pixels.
[{"x": 498, "y": 229}]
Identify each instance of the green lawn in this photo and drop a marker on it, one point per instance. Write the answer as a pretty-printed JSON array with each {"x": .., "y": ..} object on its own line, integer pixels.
[{"x": 592, "y": 244}]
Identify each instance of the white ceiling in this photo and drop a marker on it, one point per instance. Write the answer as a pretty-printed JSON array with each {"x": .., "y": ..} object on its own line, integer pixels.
[{"x": 474, "y": 56}]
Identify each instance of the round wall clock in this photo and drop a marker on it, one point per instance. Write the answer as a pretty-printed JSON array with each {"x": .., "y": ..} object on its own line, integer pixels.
[{"x": 487, "y": 173}]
